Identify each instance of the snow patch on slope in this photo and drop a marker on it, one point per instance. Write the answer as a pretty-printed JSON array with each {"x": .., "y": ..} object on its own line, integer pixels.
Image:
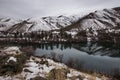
[{"x": 6, "y": 23}]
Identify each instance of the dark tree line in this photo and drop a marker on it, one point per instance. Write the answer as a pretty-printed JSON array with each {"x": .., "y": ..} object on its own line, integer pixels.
[{"x": 40, "y": 36}]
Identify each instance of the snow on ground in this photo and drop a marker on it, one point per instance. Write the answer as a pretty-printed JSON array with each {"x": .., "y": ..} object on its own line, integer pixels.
[
  {"x": 35, "y": 69},
  {"x": 42, "y": 67},
  {"x": 12, "y": 50},
  {"x": 12, "y": 59}
]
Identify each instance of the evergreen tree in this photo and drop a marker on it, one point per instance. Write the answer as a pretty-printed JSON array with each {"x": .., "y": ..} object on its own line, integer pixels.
[
  {"x": 42, "y": 35},
  {"x": 51, "y": 35},
  {"x": 32, "y": 35},
  {"x": 21, "y": 36}
]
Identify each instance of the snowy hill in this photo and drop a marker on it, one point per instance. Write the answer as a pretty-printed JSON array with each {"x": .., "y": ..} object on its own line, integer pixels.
[
  {"x": 5, "y": 23},
  {"x": 36, "y": 24},
  {"x": 98, "y": 20},
  {"x": 102, "y": 19},
  {"x": 51, "y": 23}
]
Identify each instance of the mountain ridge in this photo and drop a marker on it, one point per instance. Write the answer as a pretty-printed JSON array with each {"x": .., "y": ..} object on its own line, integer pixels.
[
  {"x": 97, "y": 20},
  {"x": 36, "y": 24},
  {"x": 103, "y": 19}
]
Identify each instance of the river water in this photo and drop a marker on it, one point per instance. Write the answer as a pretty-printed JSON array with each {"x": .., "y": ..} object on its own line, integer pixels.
[{"x": 87, "y": 57}]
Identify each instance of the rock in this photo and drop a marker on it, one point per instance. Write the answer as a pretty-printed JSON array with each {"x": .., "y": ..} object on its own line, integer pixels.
[
  {"x": 27, "y": 70},
  {"x": 44, "y": 62},
  {"x": 29, "y": 50},
  {"x": 2, "y": 54},
  {"x": 12, "y": 59},
  {"x": 38, "y": 78},
  {"x": 11, "y": 51},
  {"x": 76, "y": 78},
  {"x": 58, "y": 74}
]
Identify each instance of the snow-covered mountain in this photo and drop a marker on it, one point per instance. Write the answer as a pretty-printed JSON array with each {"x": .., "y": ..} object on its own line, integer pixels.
[
  {"x": 100, "y": 26},
  {"x": 6, "y": 23},
  {"x": 102, "y": 19},
  {"x": 98, "y": 20},
  {"x": 51, "y": 23},
  {"x": 37, "y": 24}
]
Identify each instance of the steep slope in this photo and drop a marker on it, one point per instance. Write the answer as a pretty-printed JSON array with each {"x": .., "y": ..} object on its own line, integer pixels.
[
  {"x": 104, "y": 19},
  {"x": 5, "y": 23},
  {"x": 37, "y": 24},
  {"x": 51, "y": 23},
  {"x": 22, "y": 26},
  {"x": 98, "y": 20}
]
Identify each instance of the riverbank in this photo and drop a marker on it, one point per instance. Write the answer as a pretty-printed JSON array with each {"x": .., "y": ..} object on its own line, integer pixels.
[{"x": 18, "y": 65}]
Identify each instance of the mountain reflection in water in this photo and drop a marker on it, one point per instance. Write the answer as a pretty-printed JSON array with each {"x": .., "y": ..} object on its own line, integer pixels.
[{"x": 88, "y": 57}]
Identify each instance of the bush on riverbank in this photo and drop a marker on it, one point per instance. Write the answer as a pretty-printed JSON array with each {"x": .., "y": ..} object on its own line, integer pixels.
[{"x": 12, "y": 66}]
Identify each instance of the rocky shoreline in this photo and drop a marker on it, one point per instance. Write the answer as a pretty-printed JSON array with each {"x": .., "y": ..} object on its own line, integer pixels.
[{"x": 18, "y": 65}]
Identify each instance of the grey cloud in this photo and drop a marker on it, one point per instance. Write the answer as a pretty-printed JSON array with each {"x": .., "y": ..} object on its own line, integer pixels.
[{"x": 39, "y": 8}]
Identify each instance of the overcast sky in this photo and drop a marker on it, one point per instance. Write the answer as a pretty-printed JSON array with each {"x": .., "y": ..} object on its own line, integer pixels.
[{"x": 39, "y": 8}]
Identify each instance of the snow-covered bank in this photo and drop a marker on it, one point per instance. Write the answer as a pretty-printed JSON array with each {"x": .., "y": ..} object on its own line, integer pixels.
[{"x": 44, "y": 69}]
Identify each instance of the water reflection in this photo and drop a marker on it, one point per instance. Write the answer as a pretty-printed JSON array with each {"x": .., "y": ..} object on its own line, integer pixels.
[
  {"x": 87, "y": 57},
  {"x": 52, "y": 46},
  {"x": 89, "y": 48},
  {"x": 96, "y": 49}
]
